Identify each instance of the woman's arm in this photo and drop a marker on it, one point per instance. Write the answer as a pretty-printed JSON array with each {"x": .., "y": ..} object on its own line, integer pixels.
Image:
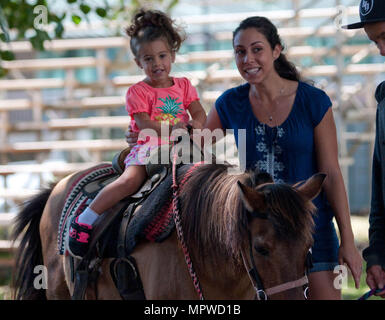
[
  {"x": 325, "y": 138},
  {"x": 213, "y": 121}
]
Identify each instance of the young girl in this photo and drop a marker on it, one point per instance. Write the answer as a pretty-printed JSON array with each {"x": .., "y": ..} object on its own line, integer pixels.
[{"x": 158, "y": 99}]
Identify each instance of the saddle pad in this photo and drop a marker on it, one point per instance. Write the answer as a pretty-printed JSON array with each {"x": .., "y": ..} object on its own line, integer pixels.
[
  {"x": 154, "y": 220},
  {"x": 77, "y": 199}
]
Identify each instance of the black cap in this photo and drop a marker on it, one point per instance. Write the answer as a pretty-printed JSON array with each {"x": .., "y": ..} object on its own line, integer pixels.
[{"x": 370, "y": 11}]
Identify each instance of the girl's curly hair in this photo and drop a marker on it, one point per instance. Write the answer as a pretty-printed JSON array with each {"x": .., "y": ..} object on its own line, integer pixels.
[{"x": 151, "y": 25}]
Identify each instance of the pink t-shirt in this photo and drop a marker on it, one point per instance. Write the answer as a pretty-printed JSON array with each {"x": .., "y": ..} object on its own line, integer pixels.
[{"x": 161, "y": 104}]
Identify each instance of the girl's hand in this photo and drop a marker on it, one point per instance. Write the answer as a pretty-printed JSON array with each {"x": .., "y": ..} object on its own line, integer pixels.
[
  {"x": 349, "y": 254},
  {"x": 131, "y": 137},
  {"x": 189, "y": 127},
  {"x": 179, "y": 125},
  {"x": 195, "y": 124}
]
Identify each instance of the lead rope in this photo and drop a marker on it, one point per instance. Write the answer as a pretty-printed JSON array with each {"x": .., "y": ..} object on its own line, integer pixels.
[
  {"x": 368, "y": 294},
  {"x": 179, "y": 229}
]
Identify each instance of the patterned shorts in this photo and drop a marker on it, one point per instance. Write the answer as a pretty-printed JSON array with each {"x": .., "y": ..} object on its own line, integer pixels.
[{"x": 139, "y": 155}]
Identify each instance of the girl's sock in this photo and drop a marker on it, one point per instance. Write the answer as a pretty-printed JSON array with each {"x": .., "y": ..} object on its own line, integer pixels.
[{"x": 88, "y": 216}]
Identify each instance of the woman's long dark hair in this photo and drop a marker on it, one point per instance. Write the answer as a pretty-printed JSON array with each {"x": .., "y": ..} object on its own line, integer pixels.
[{"x": 284, "y": 68}]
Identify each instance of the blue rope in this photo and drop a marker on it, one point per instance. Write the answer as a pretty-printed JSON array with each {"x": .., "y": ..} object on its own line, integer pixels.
[{"x": 368, "y": 294}]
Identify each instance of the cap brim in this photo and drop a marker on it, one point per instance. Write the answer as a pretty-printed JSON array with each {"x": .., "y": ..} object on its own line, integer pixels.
[
  {"x": 356, "y": 25},
  {"x": 361, "y": 24}
]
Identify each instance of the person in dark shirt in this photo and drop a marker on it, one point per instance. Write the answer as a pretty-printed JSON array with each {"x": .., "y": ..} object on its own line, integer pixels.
[{"x": 372, "y": 14}]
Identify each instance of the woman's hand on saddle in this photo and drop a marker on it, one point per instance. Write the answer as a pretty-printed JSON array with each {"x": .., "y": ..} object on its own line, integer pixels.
[
  {"x": 131, "y": 136},
  {"x": 349, "y": 254}
]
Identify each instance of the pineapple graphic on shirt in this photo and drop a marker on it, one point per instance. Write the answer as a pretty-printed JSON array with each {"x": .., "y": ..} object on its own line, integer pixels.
[{"x": 170, "y": 109}]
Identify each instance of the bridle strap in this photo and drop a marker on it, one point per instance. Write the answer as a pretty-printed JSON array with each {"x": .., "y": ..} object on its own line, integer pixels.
[
  {"x": 253, "y": 272},
  {"x": 287, "y": 286},
  {"x": 261, "y": 293}
]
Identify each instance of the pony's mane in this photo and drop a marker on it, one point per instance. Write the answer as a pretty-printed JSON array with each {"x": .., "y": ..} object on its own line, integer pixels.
[{"x": 216, "y": 221}]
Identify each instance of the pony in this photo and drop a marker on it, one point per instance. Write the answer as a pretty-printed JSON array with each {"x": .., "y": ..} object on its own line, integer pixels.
[{"x": 244, "y": 233}]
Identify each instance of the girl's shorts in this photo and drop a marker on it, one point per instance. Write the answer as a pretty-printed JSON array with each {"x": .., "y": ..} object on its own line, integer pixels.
[
  {"x": 139, "y": 155},
  {"x": 325, "y": 248}
]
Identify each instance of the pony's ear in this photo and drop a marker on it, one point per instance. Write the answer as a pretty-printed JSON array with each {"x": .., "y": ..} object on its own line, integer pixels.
[
  {"x": 312, "y": 186},
  {"x": 252, "y": 199},
  {"x": 295, "y": 185}
]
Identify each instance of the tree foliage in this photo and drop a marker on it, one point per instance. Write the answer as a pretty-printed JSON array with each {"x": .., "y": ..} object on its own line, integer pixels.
[{"x": 39, "y": 20}]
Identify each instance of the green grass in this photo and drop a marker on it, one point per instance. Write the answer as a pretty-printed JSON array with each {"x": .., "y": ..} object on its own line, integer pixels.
[{"x": 5, "y": 293}]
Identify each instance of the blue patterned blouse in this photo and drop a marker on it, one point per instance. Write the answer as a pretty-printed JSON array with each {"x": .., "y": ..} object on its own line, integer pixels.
[{"x": 286, "y": 151}]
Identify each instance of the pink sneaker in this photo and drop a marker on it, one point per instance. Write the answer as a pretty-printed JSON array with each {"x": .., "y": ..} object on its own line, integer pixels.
[{"x": 79, "y": 238}]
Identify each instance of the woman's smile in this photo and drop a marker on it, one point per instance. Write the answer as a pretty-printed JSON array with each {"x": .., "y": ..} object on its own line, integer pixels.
[{"x": 252, "y": 71}]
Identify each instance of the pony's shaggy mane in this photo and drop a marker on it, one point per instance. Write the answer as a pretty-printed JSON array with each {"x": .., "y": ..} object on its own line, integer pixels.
[{"x": 215, "y": 220}]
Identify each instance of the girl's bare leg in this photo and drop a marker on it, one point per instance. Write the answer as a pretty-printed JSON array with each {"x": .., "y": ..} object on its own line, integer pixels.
[{"x": 127, "y": 184}]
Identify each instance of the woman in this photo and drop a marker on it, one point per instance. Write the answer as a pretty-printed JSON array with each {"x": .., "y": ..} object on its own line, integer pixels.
[{"x": 290, "y": 133}]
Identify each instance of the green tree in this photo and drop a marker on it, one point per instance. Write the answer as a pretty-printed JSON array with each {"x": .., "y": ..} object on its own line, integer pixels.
[{"x": 37, "y": 21}]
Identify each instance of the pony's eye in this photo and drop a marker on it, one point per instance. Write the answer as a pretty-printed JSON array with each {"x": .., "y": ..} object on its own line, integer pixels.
[{"x": 261, "y": 250}]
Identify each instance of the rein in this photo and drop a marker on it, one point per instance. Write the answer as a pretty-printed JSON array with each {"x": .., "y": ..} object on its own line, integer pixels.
[
  {"x": 370, "y": 293},
  {"x": 179, "y": 230}
]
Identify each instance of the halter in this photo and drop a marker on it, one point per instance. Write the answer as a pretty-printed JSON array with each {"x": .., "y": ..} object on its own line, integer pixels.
[{"x": 260, "y": 292}]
